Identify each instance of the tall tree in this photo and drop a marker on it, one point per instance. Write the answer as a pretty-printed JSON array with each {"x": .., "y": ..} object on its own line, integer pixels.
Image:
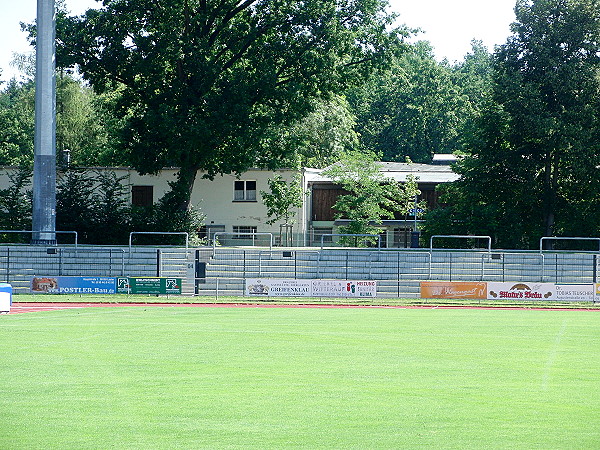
[
  {"x": 16, "y": 123},
  {"x": 86, "y": 124},
  {"x": 202, "y": 80},
  {"x": 83, "y": 124},
  {"x": 534, "y": 165},
  {"x": 370, "y": 197},
  {"x": 548, "y": 79},
  {"x": 283, "y": 202},
  {"x": 319, "y": 138},
  {"x": 413, "y": 110}
]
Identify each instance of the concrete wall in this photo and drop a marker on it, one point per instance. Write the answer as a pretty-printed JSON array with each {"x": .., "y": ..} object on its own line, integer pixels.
[{"x": 213, "y": 198}]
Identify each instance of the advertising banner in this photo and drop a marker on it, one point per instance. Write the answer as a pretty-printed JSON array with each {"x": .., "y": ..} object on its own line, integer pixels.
[
  {"x": 454, "y": 289},
  {"x": 272, "y": 287},
  {"x": 541, "y": 292},
  {"x": 73, "y": 285},
  {"x": 575, "y": 292},
  {"x": 149, "y": 285},
  {"x": 597, "y": 295},
  {"x": 522, "y": 291},
  {"x": 348, "y": 289}
]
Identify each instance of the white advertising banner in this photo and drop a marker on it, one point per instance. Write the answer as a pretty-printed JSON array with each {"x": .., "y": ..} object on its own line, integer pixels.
[
  {"x": 273, "y": 287},
  {"x": 575, "y": 292},
  {"x": 339, "y": 288},
  {"x": 541, "y": 292}
]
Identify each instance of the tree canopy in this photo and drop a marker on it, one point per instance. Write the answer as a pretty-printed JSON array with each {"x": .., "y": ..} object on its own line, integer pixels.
[
  {"x": 534, "y": 164},
  {"x": 201, "y": 81},
  {"x": 419, "y": 106},
  {"x": 370, "y": 198}
]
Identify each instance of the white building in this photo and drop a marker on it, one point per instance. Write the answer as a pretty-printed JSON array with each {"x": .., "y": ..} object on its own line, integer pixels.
[{"x": 233, "y": 206}]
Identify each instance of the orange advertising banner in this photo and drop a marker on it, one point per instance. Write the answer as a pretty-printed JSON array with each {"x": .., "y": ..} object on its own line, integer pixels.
[{"x": 454, "y": 289}]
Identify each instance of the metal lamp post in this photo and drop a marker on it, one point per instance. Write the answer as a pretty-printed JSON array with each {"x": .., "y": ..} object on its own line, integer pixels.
[{"x": 44, "y": 165}]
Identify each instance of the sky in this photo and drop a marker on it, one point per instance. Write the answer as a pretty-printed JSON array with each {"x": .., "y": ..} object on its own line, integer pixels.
[{"x": 449, "y": 25}]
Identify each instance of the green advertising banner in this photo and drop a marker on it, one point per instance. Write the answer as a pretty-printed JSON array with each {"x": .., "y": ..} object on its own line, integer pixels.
[{"x": 148, "y": 285}]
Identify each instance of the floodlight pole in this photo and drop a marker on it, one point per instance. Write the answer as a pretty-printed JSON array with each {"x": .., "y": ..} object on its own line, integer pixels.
[{"x": 44, "y": 163}]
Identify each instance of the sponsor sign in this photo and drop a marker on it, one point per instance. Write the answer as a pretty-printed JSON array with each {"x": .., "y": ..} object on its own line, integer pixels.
[
  {"x": 73, "y": 285},
  {"x": 271, "y": 287},
  {"x": 149, "y": 285},
  {"x": 597, "y": 295},
  {"x": 575, "y": 292},
  {"x": 278, "y": 288},
  {"x": 521, "y": 291},
  {"x": 541, "y": 292},
  {"x": 454, "y": 289},
  {"x": 338, "y": 288}
]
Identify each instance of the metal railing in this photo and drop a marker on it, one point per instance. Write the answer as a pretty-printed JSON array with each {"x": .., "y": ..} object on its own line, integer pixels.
[
  {"x": 31, "y": 232},
  {"x": 399, "y": 267},
  {"x": 355, "y": 236},
  {"x": 387, "y": 264},
  {"x": 243, "y": 235},
  {"x": 159, "y": 233},
  {"x": 456, "y": 236},
  {"x": 554, "y": 239}
]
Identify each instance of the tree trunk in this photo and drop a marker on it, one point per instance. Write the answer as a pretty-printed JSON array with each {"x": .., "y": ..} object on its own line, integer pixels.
[{"x": 181, "y": 190}]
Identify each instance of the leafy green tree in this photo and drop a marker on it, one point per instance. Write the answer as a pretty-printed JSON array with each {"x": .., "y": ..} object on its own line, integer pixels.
[
  {"x": 15, "y": 204},
  {"x": 535, "y": 157},
  {"x": 282, "y": 202},
  {"x": 75, "y": 208},
  {"x": 415, "y": 109},
  {"x": 17, "y": 123},
  {"x": 474, "y": 78},
  {"x": 371, "y": 197},
  {"x": 202, "y": 82},
  {"x": 86, "y": 123},
  {"x": 82, "y": 124},
  {"x": 318, "y": 139},
  {"x": 112, "y": 213}
]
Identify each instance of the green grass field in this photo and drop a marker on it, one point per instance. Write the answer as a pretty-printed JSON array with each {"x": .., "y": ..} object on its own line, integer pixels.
[{"x": 152, "y": 377}]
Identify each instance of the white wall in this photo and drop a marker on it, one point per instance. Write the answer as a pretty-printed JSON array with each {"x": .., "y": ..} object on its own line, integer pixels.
[{"x": 213, "y": 198}]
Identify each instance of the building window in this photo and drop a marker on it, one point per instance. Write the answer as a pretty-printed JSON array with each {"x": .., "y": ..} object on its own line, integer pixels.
[
  {"x": 244, "y": 231},
  {"x": 244, "y": 191},
  {"x": 142, "y": 195}
]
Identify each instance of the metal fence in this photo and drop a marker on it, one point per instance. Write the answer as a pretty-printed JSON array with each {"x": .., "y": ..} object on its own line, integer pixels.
[
  {"x": 382, "y": 264},
  {"x": 396, "y": 270},
  {"x": 19, "y": 264}
]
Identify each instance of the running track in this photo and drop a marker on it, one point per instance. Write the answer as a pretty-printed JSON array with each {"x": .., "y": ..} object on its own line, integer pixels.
[{"x": 18, "y": 308}]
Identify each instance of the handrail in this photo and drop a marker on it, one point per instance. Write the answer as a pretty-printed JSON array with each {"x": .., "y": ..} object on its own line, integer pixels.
[
  {"x": 226, "y": 233},
  {"x": 31, "y": 232},
  {"x": 355, "y": 235},
  {"x": 556, "y": 238},
  {"x": 166, "y": 233},
  {"x": 460, "y": 236}
]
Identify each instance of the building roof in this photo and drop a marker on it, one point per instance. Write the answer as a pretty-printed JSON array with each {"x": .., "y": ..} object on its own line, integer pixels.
[
  {"x": 423, "y": 173},
  {"x": 444, "y": 158}
]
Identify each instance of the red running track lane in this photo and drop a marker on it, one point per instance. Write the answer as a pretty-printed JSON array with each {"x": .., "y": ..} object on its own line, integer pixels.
[{"x": 18, "y": 308}]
